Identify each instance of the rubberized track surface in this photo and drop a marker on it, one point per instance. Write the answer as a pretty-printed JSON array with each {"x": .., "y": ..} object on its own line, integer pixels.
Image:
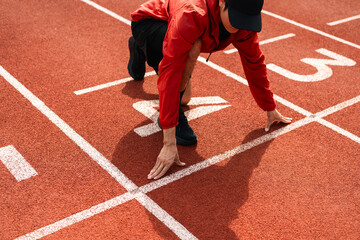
[{"x": 74, "y": 158}]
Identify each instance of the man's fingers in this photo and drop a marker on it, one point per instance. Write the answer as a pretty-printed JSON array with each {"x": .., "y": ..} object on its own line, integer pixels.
[
  {"x": 268, "y": 125},
  {"x": 286, "y": 120},
  {"x": 156, "y": 172},
  {"x": 157, "y": 164},
  {"x": 162, "y": 173},
  {"x": 180, "y": 163}
]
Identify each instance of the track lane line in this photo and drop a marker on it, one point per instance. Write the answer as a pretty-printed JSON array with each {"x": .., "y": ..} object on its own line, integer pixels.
[
  {"x": 109, "y": 84},
  {"x": 344, "y": 20},
  {"x": 311, "y": 29},
  {"x": 94, "y": 154},
  {"x": 78, "y": 217},
  {"x": 270, "y": 40},
  {"x": 145, "y": 187},
  {"x": 107, "y": 205},
  {"x": 107, "y": 11},
  {"x": 244, "y": 81}
]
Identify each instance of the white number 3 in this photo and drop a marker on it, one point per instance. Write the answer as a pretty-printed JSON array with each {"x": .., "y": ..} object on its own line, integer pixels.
[{"x": 323, "y": 70}]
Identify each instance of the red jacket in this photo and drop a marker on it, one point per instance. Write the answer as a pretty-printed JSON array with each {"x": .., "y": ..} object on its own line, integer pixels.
[{"x": 189, "y": 20}]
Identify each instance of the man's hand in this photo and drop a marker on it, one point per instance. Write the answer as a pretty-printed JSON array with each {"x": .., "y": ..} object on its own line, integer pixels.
[
  {"x": 275, "y": 116},
  {"x": 167, "y": 157}
]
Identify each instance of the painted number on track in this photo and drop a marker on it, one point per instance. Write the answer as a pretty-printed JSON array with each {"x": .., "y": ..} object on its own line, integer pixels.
[
  {"x": 323, "y": 70},
  {"x": 148, "y": 109}
]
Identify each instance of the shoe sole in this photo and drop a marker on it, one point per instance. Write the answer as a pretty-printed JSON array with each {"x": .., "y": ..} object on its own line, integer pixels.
[{"x": 131, "y": 60}]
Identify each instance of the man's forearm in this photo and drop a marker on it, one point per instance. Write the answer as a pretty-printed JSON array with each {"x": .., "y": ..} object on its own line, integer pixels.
[{"x": 190, "y": 64}]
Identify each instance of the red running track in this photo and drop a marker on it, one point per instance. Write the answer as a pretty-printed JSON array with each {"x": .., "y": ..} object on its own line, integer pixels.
[{"x": 297, "y": 182}]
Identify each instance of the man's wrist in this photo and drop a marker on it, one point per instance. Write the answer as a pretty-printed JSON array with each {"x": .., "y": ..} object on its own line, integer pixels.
[{"x": 169, "y": 136}]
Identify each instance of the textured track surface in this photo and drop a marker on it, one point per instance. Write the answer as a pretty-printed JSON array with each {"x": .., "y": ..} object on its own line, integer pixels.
[{"x": 299, "y": 181}]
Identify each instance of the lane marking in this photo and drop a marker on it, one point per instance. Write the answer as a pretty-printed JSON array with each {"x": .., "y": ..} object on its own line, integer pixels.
[
  {"x": 16, "y": 163},
  {"x": 107, "y": 205},
  {"x": 321, "y": 65},
  {"x": 146, "y": 188},
  {"x": 311, "y": 29},
  {"x": 296, "y": 108},
  {"x": 344, "y": 20},
  {"x": 68, "y": 131},
  {"x": 148, "y": 109},
  {"x": 102, "y": 161},
  {"x": 192, "y": 169},
  {"x": 78, "y": 217},
  {"x": 107, "y": 11},
  {"x": 271, "y": 40},
  {"x": 256, "y": 142},
  {"x": 110, "y": 84},
  {"x": 244, "y": 81}
]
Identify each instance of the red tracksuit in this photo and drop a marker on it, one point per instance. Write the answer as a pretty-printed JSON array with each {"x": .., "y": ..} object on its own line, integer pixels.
[{"x": 189, "y": 20}]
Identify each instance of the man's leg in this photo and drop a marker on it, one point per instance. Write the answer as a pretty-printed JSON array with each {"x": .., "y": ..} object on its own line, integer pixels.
[{"x": 146, "y": 45}]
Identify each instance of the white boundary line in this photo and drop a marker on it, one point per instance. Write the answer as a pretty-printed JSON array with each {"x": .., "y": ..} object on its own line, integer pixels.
[
  {"x": 344, "y": 20},
  {"x": 270, "y": 40},
  {"x": 293, "y": 106},
  {"x": 78, "y": 217},
  {"x": 109, "y": 84},
  {"x": 312, "y": 29},
  {"x": 107, "y": 11},
  {"x": 171, "y": 178},
  {"x": 175, "y": 226},
  {"x": 114, "y": 202}
]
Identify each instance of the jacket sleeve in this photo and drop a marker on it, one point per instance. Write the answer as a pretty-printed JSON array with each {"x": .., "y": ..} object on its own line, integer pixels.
[
  {"x": 183, "y": 29},
  {"x": 253, "y": 62}
]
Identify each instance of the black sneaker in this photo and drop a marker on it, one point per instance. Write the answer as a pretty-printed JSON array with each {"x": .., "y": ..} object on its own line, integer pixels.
[
  {"x": 183, "y": 132},
  {"x": 136, "y": 65}
]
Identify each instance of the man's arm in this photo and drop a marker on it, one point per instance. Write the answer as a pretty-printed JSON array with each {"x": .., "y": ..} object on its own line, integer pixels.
[
  {"x": 256, "y": 74},
  {"x": 169, "y": 153}
]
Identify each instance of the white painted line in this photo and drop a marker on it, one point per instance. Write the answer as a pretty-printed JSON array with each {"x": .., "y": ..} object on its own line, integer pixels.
[
  {"x": 223, "y": 71},
  {"x": 197, "y": 167},
  {"x": 109, "y": 84},
  {"x": 271, "y": 40},
  {"x": 292, "y": 106},
  {"x": 244, "y": 81},
  {"x": 148, "y": 109},
  {"x": 298, "y": 109},
  {"x": 312, "y": 29},
  {"x": 216, "y": 159},
  {"x": 107, "y": 11},
  {"x": 344, "y": 20},
  {"x": 340, "y": 130},
  {"x": 80, "y": 216},
  {"x": 68, "y": 131},
  {"x": 164, "y": 217},
  {"x": 195, "y": 101},
  {"x": 190, "y": 170},
  {"x": 338, "y": 107},
  {"x": 82, "y": 143},
  {"x": 16, "y": 163},
  {"x": 260, "y": 140}
]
